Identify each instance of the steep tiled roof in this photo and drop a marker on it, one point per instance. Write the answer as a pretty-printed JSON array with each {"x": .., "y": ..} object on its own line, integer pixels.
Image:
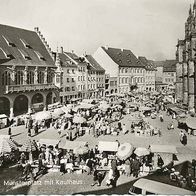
[
  {"x": 169, "y": 66},
  {"x": 149, "y": 65},
  {"x": 94, "y": 64},
  {"x": 65, "y": 61},
  {"x": 75, "y": 58},
  {"x": 22, "y": 47},
  {"x": 124, "y": 58},
  {"x": 159, "y": 63}
]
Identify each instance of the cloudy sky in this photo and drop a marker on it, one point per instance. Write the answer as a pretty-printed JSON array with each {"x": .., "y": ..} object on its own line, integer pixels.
[{"x": 147, "y": 27}]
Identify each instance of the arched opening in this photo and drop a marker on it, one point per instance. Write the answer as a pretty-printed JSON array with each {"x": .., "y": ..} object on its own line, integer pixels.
[
  {"x": 49, "y": 98},
  {"x": 112, "y": 91},
  {"x": 20, "y": 105},
  {"x": 50, "y": 77},
  {"x": 115, "y": 90},
  {"x": 37, "y": 102},
  {"x": 4, "y": 106}
]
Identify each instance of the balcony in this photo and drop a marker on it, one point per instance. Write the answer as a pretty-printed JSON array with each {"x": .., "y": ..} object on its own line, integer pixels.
[{"x": 29, "y": 87}]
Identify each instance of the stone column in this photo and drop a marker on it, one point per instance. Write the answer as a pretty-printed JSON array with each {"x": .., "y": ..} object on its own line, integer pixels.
[
  {"x": 11, "y": 109},
  {"x": 45, "y": 75},
  {"x": 25, "y": 75},
  {"x": 185, "y": 84},
  {"x": 36, "y": 76},
  {"x": 191, "y": 96}
]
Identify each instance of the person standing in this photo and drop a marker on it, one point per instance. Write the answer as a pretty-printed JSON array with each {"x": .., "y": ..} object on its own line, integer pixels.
[
  {"x": 9, "y": 131},
  {"x": 160, "y": 161}
]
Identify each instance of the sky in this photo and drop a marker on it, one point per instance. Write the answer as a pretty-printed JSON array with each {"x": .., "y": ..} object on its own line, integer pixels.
[{"x": 149, "y": 28}]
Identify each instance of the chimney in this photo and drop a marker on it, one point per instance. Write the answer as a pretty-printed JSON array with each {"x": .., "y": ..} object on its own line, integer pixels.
[
  {"x": 36, "y": 29},
  {"x": 61, "y": 50},
  {"x": 72, "y": 51},
  {"x": 121, "y": 49}
]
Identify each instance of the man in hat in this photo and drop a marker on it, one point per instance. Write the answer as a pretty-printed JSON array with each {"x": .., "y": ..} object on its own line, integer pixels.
[{"x": 160, "y": 161}]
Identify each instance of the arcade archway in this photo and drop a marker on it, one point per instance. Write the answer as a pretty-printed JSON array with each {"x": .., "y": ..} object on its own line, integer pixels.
[
  {"x": 49, "y": 98},
  {"x": 20, "y": 105},
  {"x": 4, "y": 106},
  {"x": 37, "y": 102}
]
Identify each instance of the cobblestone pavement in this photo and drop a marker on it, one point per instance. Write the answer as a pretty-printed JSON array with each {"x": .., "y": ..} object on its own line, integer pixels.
[{"x": 170, "y": 137}]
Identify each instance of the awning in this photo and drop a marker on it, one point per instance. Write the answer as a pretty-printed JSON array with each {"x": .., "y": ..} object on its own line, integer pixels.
[
  {"x": 49, "y": 142},
  {"x": 108, "y": 146},
  {"x": 191, "y": 122},
  {"x": 3, "y": 116},
  {"x": 71, "y": 145},
  {"x": 170, "y": 149}
]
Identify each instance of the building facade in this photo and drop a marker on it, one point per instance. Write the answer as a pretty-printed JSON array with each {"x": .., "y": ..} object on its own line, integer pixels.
[
  {"x": 29, "y": 76},
  {"x": 96, "y": 78},
  {"x": 149, "y": 74},
  {"x": 186, "y": 59},
  {"x": 123, "y": 65}
]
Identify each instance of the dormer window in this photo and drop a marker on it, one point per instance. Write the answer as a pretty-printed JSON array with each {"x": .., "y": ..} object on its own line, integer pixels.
[
  {"x": 25, "y": 43},
  {"x": 39, "y": 55},
  {"x": 24, "y": 54},
  {"x": 8, "y": 41},
  {"x": 6, "y": 53}
]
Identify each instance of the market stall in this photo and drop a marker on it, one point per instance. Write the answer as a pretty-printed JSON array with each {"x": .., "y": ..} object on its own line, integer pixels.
[
  {"x": 71, "y": 145},
  {"x": 165, "y": 151},
  {"x": 108, "y": 146},
  {"x": 49, "y": 142},
  {"x": 3, "y": 121}
]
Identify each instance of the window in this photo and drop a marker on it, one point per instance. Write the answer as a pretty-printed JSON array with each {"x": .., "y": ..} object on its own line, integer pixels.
[
  {"x": 25, "y": 43},
  {"x": 19, "y": 77},
  {"x": 73, "y": 71},
  {"x": 24, "y": 54},
  {"x": 72, "y": 79},
  {"x": 78, "y": 78},
  {"x": 68, "y": 80},
  {"x": 126, "y": 70},
  {"x": 73, "y": 88},
  {"x": 30, "y": 77},
  {"x": 39, "y": 55},
  {"x": 40, "y": 77},
  {"x": 8, "y": 41},
  {"x": 6, "y": 78},
  {"x": 50, "y": 77},
  {"x": 67, "y": 70},
  {"x": 79, "y": 87},
  {"x": 6, "y": 53}
]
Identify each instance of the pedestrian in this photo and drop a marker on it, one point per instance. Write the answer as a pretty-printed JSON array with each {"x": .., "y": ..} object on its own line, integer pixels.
[
  {"x": 181, "y": 136},
  {"x": 98, "y": 177},
  {"x": 160, "y": 161},
  {"x": 29, "y": 132},
  {"x": 184, "y": 140},
  {"x": 9, "y": 131}
]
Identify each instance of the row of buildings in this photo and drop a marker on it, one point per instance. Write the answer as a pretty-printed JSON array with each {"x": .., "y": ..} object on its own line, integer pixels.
[
  {"x": 186, "y": 59},
  {"x": 33, "y": 76}
]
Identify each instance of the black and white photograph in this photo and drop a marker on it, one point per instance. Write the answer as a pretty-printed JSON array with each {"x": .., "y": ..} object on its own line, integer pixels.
[{"x": 97, "y": 97}]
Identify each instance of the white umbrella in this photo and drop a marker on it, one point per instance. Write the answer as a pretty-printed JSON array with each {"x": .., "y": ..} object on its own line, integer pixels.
[
  {"x": 57, "y": 113},
  {"x": 44, "y": 115},
  {"x": 140, "y": 151},
  {"x": 79, "y": 119},
  {"x": 124, "y": 151},
  {"x": 86, "y": 106},
  {"x": 68, "y": 115}
]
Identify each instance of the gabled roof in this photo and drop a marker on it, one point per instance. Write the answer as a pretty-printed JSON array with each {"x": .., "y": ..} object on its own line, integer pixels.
[
  {"x": 75, "y": 58},
  {"x": 169, "y": 66},
  {"x": 123, "y": 57},
  {"x": 65, "y": 61},
  {"x": 94, "y": 64},
  {"x": 149, "y": 65},
  {"x": 19, "y": 44}
]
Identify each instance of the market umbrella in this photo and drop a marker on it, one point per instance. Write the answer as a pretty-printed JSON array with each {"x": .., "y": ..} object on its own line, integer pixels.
[
  {"x": 124, "y": 151},
  {"x": 191, "y": 122},
  {"x": 140, "y": 151},
  {"x": 44, "y": 115},
  {"x": 66, "y": 109},
  {"x": 57, "y": 113},
  {"x": 143, "y": 108},
  {"x": 68, "y": 115},
  {"x": 79, "y": 119},
  {"x": 81, "y": 150},
  {"x": 86, "y": 106},
  {"x": 7, "y": 145},
  {"x": 28, "y": 146},
  {"x": 104, "y": 106}
]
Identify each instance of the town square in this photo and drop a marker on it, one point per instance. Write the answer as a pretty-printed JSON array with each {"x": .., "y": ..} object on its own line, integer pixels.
[{"x": 116, "y": 119}]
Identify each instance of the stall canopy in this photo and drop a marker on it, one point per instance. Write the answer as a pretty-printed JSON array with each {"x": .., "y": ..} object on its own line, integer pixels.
[
  {"x": 57, "y": 113},
  {"x": 108, "y": 146},
  {"x": 49, "y": 142},
  {"x": 140, "y": 151},
  {"x": 86, "y": 106},
  {"x": 7, "y": 145},
  {"x": 2, "y": 116},
  {"x": 191, "y": 122},
  {"x": 170, "y": 149},
  {"x": 71, "y": 145},
  {"x": 44, "y": 115},
  {"x": 79, "y": 119},
  {"x": 88, "y": 100},
  {"x": 143, "y": 108}
]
